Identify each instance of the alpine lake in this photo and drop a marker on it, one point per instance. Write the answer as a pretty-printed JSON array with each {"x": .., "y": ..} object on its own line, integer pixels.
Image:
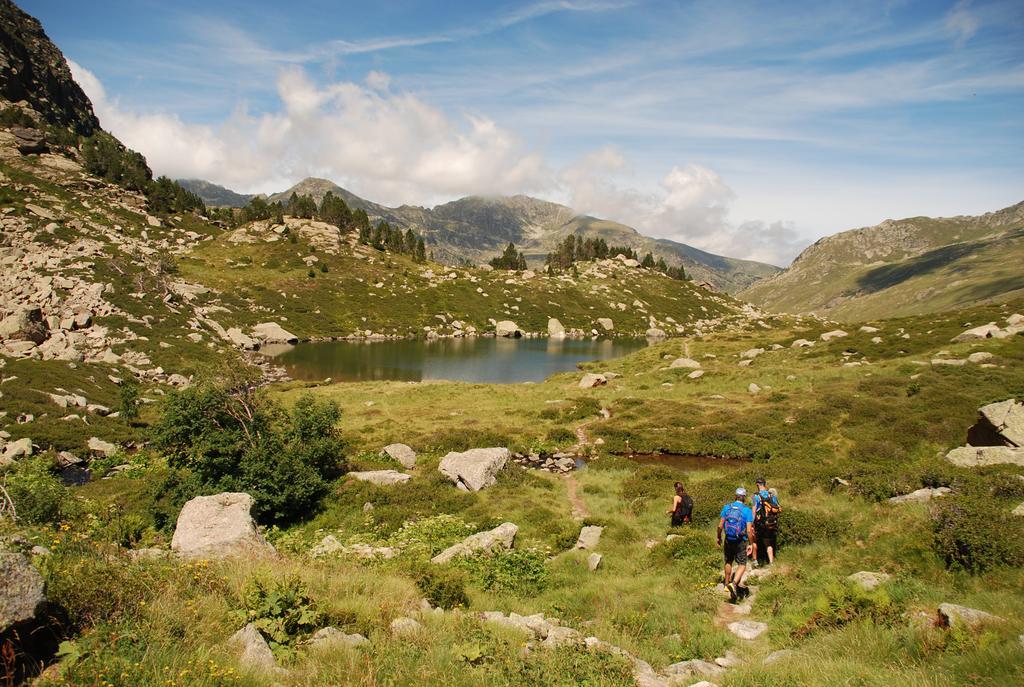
[{"x": 474, "y": 359}]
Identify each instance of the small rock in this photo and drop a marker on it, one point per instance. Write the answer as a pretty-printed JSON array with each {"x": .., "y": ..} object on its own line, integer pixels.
[
  {"x": 753, "y": 388},
  {"x": 590, "y": 380},
  {"x": 327, "y": 637},
  {"x": 402, "y": 453},
  {"x": 834, "y": 334},
  {"x": 594, "y": 561},
  {"x": 384, "y": 478},
  {"x": 747, "y": 629},
  {"x": 869, "y": 581},
  {"x": 590, "y": 537},
  {"x": 778, "y": 656},
  {"x": 404, "y": 627},
  {"x": 921, "y": 495},
  {"x": 501, "y": 537},
  {"x": 685, "y": 362},
  {"x": 256, "y": 654}
]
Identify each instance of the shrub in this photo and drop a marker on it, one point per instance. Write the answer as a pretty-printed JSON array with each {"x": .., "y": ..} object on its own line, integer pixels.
[
  {"x": 38, "y": 496},
  {"x": 430, "y": 536},
  {"x": 976, "y": 533},
  {"x": 282, "y": 611},
  {"x": 840, "y": 604},
  {"x": 514, "y": 571},
  {"x": 807, "y": 527},
  {"x": 442, "y": 587},
  {"x": 231, "y": 438}
]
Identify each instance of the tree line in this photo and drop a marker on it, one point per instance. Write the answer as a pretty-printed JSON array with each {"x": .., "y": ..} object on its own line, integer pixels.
[{"x": 575, "y": 248}]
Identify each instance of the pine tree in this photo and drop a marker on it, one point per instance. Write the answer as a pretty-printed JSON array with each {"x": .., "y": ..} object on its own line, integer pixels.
[{"x": 648, "y": 261}]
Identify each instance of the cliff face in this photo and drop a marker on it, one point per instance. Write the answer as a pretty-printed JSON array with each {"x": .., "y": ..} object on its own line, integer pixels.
[{"x": 33, "y": 70}]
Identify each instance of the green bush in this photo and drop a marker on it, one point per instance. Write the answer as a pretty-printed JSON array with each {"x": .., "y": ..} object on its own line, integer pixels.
[
  {"x": 442, "y": 587},
  {"x": 430, "y": 536},
  {"x": 281, "y": 610},
  {"x": 840, "y": 604},
  {"x": 687, "y": 545},
  {"x": 514, "y": 571},
  {"x": 38, "y": 496},
  {"x": 239, "y": 441},
  {"x": 807, "y": 527},
  {"x": 976, "y": 533}
]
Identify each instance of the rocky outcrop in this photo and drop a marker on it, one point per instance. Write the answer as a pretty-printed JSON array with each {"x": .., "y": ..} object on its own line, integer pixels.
[
  {"x": 402, "y": 453},
  {"x": 921, "y": 495},
  {"x": 24, "y": 324},
  {"x": 273, "y": 333},
  {"x": 33, "y": 70},
  {"x": 508, "y": 329},
  {"x": 999, "y": 424},
  {"x": 218, "y": 526},
  {"x": 952, "y": 615},
  {"x": 980, "y": 456},
  {"x": 22, "y": 590},
  {"x": 501, "y": 537},
  {"x": 474, "y": 469},
  {"x": 590, "y": 380},
  {"x": 382, "y": 478}
]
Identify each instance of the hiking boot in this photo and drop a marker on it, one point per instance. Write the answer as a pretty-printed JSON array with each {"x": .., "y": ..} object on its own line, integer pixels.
[
  {"x": 731, "y": 588},
  {"x": 742, "y": 592}
]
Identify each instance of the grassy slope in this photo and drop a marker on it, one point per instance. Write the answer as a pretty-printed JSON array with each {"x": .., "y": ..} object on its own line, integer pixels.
[
  {"x": 933, "y": 265},
  {"x": 881, "y": 425}
]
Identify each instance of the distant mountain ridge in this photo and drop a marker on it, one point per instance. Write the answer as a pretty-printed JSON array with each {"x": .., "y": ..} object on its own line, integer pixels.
[
  {"x": 215, "y": 195},
  {"x": 903, "y": 267},
  {"x": 476, "y": 228}
]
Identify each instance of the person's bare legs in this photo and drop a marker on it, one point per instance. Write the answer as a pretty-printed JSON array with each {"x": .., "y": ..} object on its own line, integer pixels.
[
  {"x": 728, "y": 573},
  {"x": 738, "y": 577},
  {"x": 771, "y": 555}
]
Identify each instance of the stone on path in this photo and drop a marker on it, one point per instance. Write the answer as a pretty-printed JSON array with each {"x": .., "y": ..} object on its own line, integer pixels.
[
  {"x": 501, "y": 537},
  {"x": 402, "y": 453},
  {"x": 921, "y": 495},
  {"x": 218, "y": 526},
  {"x": 590, "y": 380},
  {"x": 747, "y": 629},
  {"x": 383, "y": 478},
  {"x": 594, "y": 561},
  {"x": 980, "y": 456},
  {"x": 474, "y": 469},
  {"x": 256, "y": 654},
  {"x": 869, "y": 581},
  {"x": 952, "y": 615},
  {"x": 22, "y": 590},
  {"x": 589, "y": 537}
]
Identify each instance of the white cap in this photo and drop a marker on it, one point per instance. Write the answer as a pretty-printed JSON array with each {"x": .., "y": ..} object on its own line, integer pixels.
[{"x": 741, "y": 491}]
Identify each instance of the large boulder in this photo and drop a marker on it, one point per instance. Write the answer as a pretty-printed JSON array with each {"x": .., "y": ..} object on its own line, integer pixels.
[
  {"x": 999, "y": 424},
  {"x": 685, "y": 362},
  {"x": 655, "y": 333},
  {"x": 952, "y": 615},
  {"x": 555, "y": 329},
  {"x": 241, "y": 340},
  {"x": 22, "y": 590},
  {"x": 256, "y": 655},
  {"x": 218, "y": 526},
  {"x": 606, "y": 323},
  {"x": 985, "y": 331},
  {"x": 590, "y": 537},
  {"x": 501, "y": 537},
  {"x": 16, "y": 449},
  {"x": 834, "y": 334},
  {"x": 590, "y": 380},
  {"x": 474, "y": 469},
  {"x": 508, "y": 329},
  {"x": 24, "y": 324},
  {"x": 921, "y": 495},
  {"x": 273, "y": 333},
  {"x": 402, "y": 453},
  {"x": 980, "y": 456},
  {"x": 29, "y": 141},
  {"x": 382, "y": 478}
]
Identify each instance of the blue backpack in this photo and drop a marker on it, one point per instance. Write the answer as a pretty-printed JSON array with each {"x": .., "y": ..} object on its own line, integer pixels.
[{"x": 735, "y": 523}]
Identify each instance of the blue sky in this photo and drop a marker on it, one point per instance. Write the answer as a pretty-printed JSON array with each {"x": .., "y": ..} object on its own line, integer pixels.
[{"x": 748, "y": 129}]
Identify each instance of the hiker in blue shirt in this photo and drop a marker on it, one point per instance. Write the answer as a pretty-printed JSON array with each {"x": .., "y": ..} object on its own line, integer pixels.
[{"x": 737, "y": 524}]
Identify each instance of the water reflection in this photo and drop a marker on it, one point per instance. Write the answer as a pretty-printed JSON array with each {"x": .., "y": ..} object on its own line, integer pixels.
[{"x": 468, "y": 359}]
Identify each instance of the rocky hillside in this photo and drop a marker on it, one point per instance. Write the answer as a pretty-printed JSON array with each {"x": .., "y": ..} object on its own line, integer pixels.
[
  {"x": 903, "y": 267},
  {"x": 477, "y": 228},
  {"x": 33, "y": 73},
  {"x": 214, "y": 195}
]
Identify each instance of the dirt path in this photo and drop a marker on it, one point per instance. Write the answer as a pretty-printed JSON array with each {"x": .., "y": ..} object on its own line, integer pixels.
[{"x": 579, "y": 508}]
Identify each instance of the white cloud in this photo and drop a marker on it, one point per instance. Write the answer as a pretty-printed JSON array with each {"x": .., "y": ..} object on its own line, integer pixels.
[
  {"x": 692, "y": 206},
  {"x": 961, "y": 22},
  {"x": 392, "y": 148}
]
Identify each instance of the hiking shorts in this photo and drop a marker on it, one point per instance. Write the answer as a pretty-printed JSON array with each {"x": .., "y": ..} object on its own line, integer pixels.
[
  {"x": 735, "y": 552},
  {"x": 765, "y": 540}
]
